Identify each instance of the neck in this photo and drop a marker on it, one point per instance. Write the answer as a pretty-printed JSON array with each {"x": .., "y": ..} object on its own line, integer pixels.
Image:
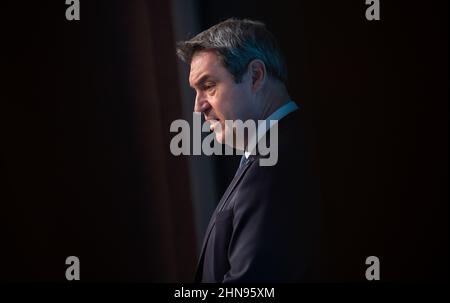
[{"x": 274, "y": 97}]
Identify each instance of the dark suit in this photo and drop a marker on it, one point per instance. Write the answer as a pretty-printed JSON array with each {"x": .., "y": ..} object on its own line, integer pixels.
[{"x": 265, "y": 227}]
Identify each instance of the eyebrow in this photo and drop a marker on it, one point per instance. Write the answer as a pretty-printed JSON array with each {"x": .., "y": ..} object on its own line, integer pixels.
[{"x": 202, "y": 80}]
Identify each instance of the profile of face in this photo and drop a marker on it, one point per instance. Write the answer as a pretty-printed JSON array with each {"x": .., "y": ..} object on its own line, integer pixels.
[{"x": 219, "y": 97}]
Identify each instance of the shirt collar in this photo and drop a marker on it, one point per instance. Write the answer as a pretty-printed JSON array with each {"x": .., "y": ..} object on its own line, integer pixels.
[{"x": 277, "y": 115}]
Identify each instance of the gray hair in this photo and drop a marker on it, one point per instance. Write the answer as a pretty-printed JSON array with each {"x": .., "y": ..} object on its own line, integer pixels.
[{"x": 237, "y": 43}]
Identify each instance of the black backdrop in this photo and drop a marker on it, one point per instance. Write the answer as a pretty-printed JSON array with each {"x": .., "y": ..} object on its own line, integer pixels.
[{"x": 85, "y": 110}]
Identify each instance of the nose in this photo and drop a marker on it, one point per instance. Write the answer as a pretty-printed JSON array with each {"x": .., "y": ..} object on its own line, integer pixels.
[{"x": 201, "y": 103}]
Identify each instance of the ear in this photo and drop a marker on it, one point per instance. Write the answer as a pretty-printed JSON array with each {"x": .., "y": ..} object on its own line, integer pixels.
[{"x": 257, "y": 72}]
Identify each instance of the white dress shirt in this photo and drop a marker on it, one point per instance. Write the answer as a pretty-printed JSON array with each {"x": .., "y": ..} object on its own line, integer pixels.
[{"x": 277, "y": 115}]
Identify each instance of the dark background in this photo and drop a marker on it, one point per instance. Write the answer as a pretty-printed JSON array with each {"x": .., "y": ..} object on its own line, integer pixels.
[{"x": 85, "y": 112}]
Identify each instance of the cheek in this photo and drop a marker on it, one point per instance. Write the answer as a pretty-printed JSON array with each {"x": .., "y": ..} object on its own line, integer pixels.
[
  {"x": 229, "y": 102},
  {"x": 220, "y": 103}
]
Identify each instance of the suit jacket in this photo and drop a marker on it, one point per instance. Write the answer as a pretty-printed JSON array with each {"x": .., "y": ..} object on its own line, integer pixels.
[{"x": 265, "y": 227}]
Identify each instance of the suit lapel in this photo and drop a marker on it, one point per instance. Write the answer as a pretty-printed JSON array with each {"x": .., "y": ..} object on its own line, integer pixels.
[{"x": 219, "y": 207}]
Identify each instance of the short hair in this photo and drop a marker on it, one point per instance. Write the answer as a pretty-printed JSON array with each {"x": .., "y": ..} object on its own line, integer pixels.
[{"x": 238, "y": 42}]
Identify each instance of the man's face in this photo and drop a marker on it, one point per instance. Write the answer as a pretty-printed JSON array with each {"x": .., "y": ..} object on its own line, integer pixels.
[{"x": 218, "y": 97}]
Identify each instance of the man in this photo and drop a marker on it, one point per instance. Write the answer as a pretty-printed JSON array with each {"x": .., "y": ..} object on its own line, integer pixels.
[{"x": 264, "y": 229}]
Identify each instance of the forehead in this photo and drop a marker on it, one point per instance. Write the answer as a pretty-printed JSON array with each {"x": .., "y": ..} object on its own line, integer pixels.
[{"x": 205, "y": 63}]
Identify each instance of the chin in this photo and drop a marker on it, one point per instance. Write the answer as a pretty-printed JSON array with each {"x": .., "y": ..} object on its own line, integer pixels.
[
  {"x": 220, "y": 137},
  {"x": 220, "y": 133}
]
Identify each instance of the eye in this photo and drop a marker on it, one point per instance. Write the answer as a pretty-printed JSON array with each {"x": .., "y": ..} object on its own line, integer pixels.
[{"x": 208, "y": 86}]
